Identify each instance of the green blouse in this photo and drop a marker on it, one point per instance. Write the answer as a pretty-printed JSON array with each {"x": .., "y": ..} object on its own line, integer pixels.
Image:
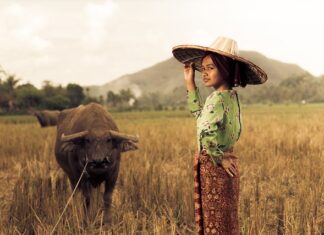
[{"x": 219, "y": 121}]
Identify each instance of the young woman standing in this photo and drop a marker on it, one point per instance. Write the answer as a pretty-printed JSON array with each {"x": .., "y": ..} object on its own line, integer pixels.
[{"x": 219, "y": 126}]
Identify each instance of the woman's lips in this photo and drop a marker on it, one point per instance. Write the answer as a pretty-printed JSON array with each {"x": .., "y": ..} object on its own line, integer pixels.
[{"x": 206, "y": 80}]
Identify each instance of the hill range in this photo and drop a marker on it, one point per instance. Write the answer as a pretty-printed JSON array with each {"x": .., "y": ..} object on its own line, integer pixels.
[{"x": 166, "y": 78}]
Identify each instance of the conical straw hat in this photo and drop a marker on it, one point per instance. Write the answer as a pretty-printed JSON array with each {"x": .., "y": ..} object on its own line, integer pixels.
[{"x": 252, "y": 73}]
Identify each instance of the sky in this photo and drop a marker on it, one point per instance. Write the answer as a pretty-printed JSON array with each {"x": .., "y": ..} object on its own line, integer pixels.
[{"x": 93, "y": 42}]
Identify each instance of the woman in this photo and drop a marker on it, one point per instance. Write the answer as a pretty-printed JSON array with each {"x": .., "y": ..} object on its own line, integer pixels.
[{"x": 219, "y": 126}]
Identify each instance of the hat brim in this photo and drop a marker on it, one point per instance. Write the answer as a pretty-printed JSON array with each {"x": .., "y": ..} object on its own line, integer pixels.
[{"x": 193, "y": 53}]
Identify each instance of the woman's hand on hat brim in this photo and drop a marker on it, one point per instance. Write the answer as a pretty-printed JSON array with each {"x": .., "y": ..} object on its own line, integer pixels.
[{"x": 189, "y": 72}]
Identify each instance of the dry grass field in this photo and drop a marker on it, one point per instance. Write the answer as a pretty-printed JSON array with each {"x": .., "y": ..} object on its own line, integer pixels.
[{"x": 281, "y": 165}]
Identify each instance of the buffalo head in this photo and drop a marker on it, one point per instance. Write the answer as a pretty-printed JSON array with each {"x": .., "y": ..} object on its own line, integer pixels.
[{"x": 100, "y": 148}]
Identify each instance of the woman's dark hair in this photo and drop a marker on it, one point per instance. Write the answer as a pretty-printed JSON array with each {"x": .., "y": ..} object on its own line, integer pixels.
[{"x": 229, "y": 69}]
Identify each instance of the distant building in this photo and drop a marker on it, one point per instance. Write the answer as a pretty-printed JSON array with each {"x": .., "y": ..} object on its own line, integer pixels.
[{"x": 131, "y": 101}]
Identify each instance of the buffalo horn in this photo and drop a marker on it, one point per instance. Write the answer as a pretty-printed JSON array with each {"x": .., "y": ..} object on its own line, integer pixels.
[
  {"x": 119, "y": 135},
  {"x": 80, "y": 134}
]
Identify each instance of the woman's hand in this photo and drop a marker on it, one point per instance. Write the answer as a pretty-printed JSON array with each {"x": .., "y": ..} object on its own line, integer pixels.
[
  {"x": 229, "y": 165},
  {"x": 189, "y": 76},
  {"x": 189, "y": 72}
]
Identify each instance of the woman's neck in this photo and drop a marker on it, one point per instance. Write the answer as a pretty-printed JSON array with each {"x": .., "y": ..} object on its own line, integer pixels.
[{"x": 223, "y": 87}]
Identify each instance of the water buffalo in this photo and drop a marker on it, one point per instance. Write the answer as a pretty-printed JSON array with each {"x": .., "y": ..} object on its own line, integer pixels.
[
  {"x": 46, "y": 117},
  {"x": 88, "y": 134}
]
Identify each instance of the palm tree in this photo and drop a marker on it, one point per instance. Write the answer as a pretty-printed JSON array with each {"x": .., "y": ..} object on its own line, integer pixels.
[
  {"x": 10, "y": 85},
  {"x": 2, "y": 71}
]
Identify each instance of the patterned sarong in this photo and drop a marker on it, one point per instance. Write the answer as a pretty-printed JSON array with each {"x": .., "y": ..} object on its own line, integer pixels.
[{"x": 216, "y": 197}]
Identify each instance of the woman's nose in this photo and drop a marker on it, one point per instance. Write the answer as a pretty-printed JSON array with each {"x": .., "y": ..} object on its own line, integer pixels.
[{"x": 204, "y": 74}]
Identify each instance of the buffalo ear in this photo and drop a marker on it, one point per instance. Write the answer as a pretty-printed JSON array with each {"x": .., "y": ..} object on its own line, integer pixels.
[
  {"x": 67, "y": 147},
  {"x": 127, "y": 145}
]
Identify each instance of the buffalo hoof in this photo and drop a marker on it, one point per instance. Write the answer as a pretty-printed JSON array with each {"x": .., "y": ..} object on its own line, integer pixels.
[
  {"x": 106, "y": 227},
  {"x": 101, "y": 225},
  {"x": 107, "y": 220}
]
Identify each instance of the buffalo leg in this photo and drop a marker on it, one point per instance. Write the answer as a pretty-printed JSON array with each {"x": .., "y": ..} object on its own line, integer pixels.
[
  {"x": 107, "y": 198},
  {"x": 86, "y": 191}
]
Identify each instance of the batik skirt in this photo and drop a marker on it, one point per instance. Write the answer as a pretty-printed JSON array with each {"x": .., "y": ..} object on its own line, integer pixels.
[{"x": 216, "y": 197}]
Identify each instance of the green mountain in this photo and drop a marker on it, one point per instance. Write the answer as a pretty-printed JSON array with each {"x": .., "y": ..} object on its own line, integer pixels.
[{"x": 167, "y": 76}]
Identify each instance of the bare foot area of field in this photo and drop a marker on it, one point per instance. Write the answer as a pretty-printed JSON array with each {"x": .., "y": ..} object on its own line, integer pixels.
[{"x": 280, "y": 161}]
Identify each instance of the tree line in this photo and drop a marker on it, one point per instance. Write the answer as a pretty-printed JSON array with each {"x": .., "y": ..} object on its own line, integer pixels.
[
  {"x": 21, "y": 98},
  {"x": 294, "y": 89}
]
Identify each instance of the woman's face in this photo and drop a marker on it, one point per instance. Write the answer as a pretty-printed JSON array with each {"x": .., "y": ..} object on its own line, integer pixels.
[{"x": 210, "y": 74}]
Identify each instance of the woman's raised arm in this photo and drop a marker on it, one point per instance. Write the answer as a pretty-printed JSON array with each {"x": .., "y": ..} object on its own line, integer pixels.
[{"x": 193, "y": 96}]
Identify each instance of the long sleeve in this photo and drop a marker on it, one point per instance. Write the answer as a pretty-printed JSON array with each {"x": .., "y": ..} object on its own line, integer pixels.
[
  {"x": 239, "y": 116},
  {"x": 194, "y": 102},
  {"x": 210, "y": 123}
]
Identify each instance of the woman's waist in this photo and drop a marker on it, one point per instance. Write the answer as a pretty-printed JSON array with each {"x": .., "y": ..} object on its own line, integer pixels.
[
  {"x": 229, "y": 153},
  {"x": 229, "y": 150},
  {"x": 229, "y": 147}
]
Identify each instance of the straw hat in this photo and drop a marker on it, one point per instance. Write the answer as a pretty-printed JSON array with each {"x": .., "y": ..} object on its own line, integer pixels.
[{"x": 252, "y": 73}]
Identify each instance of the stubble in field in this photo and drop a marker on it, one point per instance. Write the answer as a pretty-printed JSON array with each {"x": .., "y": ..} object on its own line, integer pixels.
[{"x": 281, "y": 185}]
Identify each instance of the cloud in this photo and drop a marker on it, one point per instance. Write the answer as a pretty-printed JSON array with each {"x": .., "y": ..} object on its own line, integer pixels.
[
  {"x": 25, "y": 26},
  {"x": 97, "y": 15},
  {"x": 94, "y": 41}
]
